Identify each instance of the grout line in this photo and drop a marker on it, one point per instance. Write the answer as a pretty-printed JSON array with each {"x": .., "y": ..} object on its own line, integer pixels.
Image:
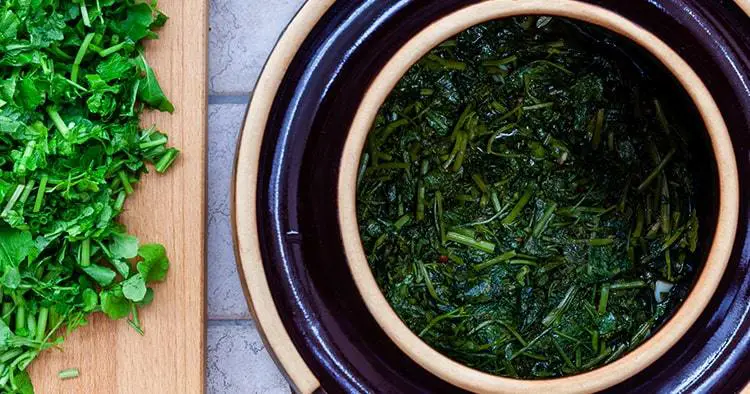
[
  {"x": 243, "y": 99},
  {"x": 231, "y": 323},
  {"x": 229, "y": 317}
]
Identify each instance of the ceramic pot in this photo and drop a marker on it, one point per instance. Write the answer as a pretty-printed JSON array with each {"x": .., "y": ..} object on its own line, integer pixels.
[{"x": 308, "y": 283}]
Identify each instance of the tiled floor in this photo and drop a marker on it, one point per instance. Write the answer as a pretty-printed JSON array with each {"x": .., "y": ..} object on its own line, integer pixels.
[{"x": 242, "y": 35}]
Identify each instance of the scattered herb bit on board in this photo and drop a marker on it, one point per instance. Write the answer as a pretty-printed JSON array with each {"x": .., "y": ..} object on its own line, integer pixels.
[
  {"x": 525, "y": 203},
  {"x": 70, "y": 373},
  {"x": 74, "y": 82}
]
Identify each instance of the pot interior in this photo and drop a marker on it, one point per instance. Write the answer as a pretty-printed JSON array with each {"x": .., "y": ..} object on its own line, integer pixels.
[
  {"x": 697, "y": 129},
  {"x": 650, "y": 77}
]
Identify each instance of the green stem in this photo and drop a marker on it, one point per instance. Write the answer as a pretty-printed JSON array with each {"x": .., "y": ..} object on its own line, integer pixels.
[
  {"x": 85, "y": 14},
  {"x": 454, "y": 152},
  {"x": 484, "y": 246},
  {"x": 500, "y": 62},
  {"x": 661, "y": 117},
  {"x": 601, "y": 241},
  {"x": 428, "y": 281},
  {"x": 20, "y": 317},
  {"x": 70, "y": 373},
  {"x": 362, "y": 168},
  {"x": 135, "y": 322},
  {"x": 393, "y": 126},
  {"x": 461, "y": 154},
  {"x": 85, "y": 252},
  {"x": 439, "y": 217},
  {"x": 9, "y": 355},
  {"x": 166, "y": 161},
  {"x": 531, "y": 343},
  {"x": 668, "y": 262},
  {"x": 40, "y": 193},
  {"x": 420, "y": 201},
  {"x": 13, "y": 200},
  {"x": 31, "y": 324},
  {"x": 125, "y": 182},
  {"x": 79, "y": 56},
  {"x": 438, "y": 319},
  {"x": 41, "y": 324},
  {"x": 150, "y": 144},
  {"x": 626, "y": 285},
  {"x": 402, "y": 221},
  {"x": 666, "y": 223},
  {"x": 544, "y": 221},
  {"x": 496, "y": 260},
  {"x": 27, "y": 192},
  {"x": 603, "y": 298},
  {"x": 120, "y": 201},
  {"x": 596, "y": 360},
  {"x": 520, "y": 205},
  {"x": 7, "y": 310},
  {"x": 480, "y": 183},
  {"x": 58, "y": 121},
  {"x": 562, "y": 353},
  {"x": 596, "y": 140},
  {"x": 655, "y": 173},
  {"x": 556, "y": 313},
  {"x": 538, "y": 106},
  {"x": 112, "y": 49}
]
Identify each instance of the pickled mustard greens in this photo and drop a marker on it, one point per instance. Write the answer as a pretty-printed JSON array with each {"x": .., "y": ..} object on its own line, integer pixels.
[{"x": 524, "y": 200}]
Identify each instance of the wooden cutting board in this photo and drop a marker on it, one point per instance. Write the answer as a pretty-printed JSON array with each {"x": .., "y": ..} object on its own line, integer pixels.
[{"x": 169, "y": 209}]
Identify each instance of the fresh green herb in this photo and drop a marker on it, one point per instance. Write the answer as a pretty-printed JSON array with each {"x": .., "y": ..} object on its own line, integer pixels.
[
  {"x": 539, "y": 196},
  {"x": 70, "y": 373},
  {"x": 74, "y": 83}
]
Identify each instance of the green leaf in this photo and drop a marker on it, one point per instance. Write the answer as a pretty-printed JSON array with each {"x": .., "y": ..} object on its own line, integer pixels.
[
  {"x": 90, "y": 300},
  {"x": 5, "y": 335},
  {"x": 138, "y": 23},
  {"x": 124, "y": 246},
  {"x": 122, "y": 267},
  {"x": 160, "y": 20},
  {"x": 115, "y": 67},
  {"x": 11, "y": 278},
  {"x": 148, "y": 298},
  {"x": 149, "y": 90},
  {"x": 28, "y": 95},
  {"x": 15, "y": 245},
  {"x": 102, "y": 275},
  {"x": 155, "y": 264},
  {"x": 47, "y": 30},
  {"x": 9, "y": 23},
  {"x": 134, "y": 288},
  {"x": 114, "y": 303},
  {"x": 23, "y": 384}
]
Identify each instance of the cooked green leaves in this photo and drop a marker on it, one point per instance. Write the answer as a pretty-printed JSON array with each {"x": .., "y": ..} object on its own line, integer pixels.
[
  {"x": 524, "y": 200},
  {"x": 74, "y": 83}
]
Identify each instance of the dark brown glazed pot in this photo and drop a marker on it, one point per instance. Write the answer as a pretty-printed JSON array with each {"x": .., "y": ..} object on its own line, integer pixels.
[{"x": 287, "y": 213}]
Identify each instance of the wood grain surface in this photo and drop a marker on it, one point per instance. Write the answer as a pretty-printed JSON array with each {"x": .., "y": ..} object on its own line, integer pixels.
[{"x": 169, "y": 209}]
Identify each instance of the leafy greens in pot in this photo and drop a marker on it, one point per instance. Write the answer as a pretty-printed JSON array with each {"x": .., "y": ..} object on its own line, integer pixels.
[
  {"x": 74, "y": 83},
  {"x": 524, "y": 201}
]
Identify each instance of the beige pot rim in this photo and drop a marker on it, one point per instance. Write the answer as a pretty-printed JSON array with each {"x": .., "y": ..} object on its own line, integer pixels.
[{"x": 684, "y": 317}]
